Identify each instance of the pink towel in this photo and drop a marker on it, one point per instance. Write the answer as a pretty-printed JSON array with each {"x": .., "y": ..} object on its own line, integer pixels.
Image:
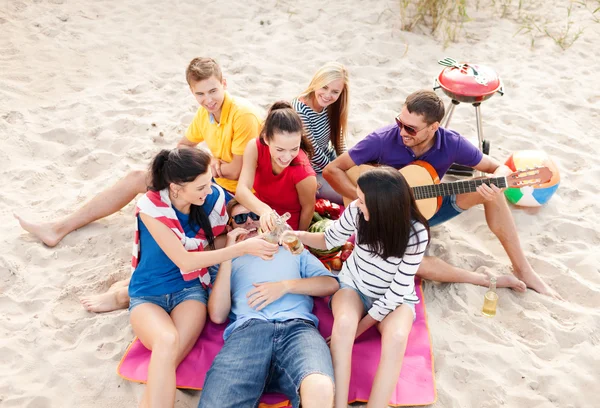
[{"x": 416, "y": 384}]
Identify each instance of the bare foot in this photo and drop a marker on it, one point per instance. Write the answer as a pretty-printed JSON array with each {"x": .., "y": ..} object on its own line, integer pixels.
[
  {"x": 118, "y": 285},
  {"x": 511, "y": 281},
  {"x": 45, "y": 232},
  {"x": 106, "y": 302},
  {"x": 533, "y": 281}
]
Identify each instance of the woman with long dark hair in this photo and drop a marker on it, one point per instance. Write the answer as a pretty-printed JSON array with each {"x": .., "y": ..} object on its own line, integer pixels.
[
  {"x": 277, "y": 167},
  {"x": 170, "y": 257},
  {"x": 377, "y": 282}
]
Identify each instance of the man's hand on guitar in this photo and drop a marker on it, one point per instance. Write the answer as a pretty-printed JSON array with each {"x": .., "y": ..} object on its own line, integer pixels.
[
  {"x": 489, "y": 193},
  {"x": 492, "y": 192}
]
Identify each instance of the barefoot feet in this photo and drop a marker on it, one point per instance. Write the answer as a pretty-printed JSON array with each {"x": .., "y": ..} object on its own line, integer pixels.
[
  {"x": 533, "y": 281},
  {"x": 511, "y": 281},
  {"x": 106, "y": 302},
  {"x": 46, "y": 232}
]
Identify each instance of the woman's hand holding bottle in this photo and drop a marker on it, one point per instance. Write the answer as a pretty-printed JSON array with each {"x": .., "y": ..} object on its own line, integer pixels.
[
  {"x": 256, "y": 246},
  {"x": 290, "y": 240},
  {"x": 236, "y": 235},
  {"x": 268, "y": 220},
  {"x": 259, "y": 247}
]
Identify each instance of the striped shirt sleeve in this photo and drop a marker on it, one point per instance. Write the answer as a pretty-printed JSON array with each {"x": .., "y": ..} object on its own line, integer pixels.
[
  {"x": 317, "y": 131},
  {"x": 342, "y": 228},
  {"x": 402, "y": 285}
]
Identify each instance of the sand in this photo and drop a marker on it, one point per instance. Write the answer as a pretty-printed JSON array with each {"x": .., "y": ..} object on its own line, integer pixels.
[{"x": 91, "y": 90}]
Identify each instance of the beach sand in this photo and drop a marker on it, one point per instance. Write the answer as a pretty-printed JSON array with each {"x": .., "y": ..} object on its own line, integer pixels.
[{"x": 91, "y": 90}]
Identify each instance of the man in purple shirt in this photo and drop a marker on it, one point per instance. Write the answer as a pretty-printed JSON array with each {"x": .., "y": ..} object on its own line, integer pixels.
[{"x": 417, "y": 135}]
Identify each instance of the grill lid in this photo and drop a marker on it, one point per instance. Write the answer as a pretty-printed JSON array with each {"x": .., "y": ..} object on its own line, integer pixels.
[{"x": 470, "y": 80}]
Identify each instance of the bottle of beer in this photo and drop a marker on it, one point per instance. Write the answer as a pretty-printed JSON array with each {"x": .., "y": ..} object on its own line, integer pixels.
[
  {"x": 275, "y": 234},
  {"x": 292, "y": 242},
  {"x": 490, "y": 300},
  {"x": 278, "y": 234}
]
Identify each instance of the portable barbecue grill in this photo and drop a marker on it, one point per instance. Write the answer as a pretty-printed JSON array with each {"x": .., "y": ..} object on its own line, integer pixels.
[{"x": 467, "y": 83}]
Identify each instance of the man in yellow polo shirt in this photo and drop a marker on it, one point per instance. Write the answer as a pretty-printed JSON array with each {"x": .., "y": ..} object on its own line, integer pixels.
[{"x": 225, "y": 123}]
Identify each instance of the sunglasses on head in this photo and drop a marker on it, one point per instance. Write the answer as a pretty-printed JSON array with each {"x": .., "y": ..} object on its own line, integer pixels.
[
  {"x": 241, "y": 218},
  {"x": 408, "y": 129}
]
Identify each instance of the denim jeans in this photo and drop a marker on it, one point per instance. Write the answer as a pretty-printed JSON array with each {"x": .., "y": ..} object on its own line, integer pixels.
[
  {"x": 447, "y": 211},
  {"x": 262, "y": 356}
]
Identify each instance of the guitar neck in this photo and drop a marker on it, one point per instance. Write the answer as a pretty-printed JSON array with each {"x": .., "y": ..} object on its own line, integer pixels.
[{"x": 458, "y": 187}]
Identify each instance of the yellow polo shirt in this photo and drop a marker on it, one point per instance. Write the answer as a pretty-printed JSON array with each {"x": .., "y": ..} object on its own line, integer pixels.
[{"x": 240, "y": 123}]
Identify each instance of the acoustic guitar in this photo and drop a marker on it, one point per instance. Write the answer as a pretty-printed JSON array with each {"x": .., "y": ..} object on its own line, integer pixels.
[{"x": 428, "y": 190}]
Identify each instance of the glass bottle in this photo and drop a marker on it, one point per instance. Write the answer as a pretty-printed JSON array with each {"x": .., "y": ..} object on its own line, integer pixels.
[
  {"x": 292, "y": 242},
  {"x": 490, "y": 300},
  {"x": 279, "y": 222},
  {"x": 278, "y": 234}
]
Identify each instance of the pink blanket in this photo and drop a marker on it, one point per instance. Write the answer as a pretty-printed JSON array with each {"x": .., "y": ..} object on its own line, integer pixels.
[{"x": 416, "y": 385}]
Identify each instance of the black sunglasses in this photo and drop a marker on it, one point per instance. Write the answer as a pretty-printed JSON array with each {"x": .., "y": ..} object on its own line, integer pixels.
[
  {"x": 241, "y": 218},
  {"x": 409, "y": 129}
]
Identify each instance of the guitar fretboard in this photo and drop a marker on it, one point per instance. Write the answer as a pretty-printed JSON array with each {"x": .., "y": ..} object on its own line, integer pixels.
[{"x": 457, "y": 187}]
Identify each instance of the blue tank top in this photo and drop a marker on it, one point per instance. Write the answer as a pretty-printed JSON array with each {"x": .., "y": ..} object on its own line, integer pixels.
[{"x": 156, "y": 274}]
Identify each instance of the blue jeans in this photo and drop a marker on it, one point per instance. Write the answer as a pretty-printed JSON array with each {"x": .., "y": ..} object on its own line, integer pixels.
[
  {"x": 170, "y": 301},
  {"x": 262, "y": 356},
  {"x": 447, "y": 211}
]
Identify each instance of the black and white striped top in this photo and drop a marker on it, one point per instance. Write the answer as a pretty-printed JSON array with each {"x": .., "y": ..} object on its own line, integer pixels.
[
  {"x": 391, "y": 281},
  {"x": 317, "y": 131}
]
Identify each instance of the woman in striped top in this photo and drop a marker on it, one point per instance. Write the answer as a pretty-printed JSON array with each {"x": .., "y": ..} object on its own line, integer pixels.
[
  {"x": 377, "y": 280},
  {"x": 323, "y": 108}
]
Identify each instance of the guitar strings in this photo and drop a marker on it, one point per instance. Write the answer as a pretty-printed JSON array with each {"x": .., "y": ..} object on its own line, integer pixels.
[{"x": 458, "y": 187}]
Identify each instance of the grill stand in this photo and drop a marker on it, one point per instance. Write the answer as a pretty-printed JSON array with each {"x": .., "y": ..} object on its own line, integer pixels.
[{"x": 484, "y": 145}]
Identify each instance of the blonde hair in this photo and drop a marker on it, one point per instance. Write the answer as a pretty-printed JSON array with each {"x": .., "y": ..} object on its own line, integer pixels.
[
  {"x": 338, "y": 111},
  {"x": 200, "y": 69}
]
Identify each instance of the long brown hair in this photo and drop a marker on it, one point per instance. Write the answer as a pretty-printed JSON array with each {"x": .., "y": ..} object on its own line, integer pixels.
[
  {"x": 392, "y": 210},
  {"x": 283, "y": 118},
  {"x": 338, "y": 111},
  {"x": 181, "y": 166}
]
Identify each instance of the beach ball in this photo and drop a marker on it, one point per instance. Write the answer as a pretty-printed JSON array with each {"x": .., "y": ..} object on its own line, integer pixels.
[{"x": 532, "y": 195}]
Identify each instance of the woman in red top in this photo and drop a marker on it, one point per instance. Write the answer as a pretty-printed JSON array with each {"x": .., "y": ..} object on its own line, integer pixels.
[{"x": 279, "y": 170}]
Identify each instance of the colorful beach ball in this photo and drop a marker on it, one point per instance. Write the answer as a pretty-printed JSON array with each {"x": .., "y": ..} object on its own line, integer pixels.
[{"x": 532, "y": 196}]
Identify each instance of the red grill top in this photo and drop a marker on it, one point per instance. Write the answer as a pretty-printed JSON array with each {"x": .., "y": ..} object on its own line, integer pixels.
[{"x": 469, "y": 82}]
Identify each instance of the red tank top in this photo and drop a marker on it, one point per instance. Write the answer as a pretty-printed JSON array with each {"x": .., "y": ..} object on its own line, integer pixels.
[{"x": 279, "y": 191}]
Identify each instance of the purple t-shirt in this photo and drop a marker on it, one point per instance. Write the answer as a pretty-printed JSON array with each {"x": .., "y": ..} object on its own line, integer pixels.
[{"x": 385, "y": 146}]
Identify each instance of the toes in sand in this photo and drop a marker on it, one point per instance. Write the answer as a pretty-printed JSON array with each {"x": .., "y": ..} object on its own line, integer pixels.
[{"x": 43, "y": 231}]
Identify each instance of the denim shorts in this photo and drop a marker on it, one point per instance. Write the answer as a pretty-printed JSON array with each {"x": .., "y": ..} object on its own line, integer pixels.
[
  {"x": 263, "y": 356},
  {"x": 170, "y": 301},
  {"x": 447, "y": 211},
  {"x": 368, "y": 301}
]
